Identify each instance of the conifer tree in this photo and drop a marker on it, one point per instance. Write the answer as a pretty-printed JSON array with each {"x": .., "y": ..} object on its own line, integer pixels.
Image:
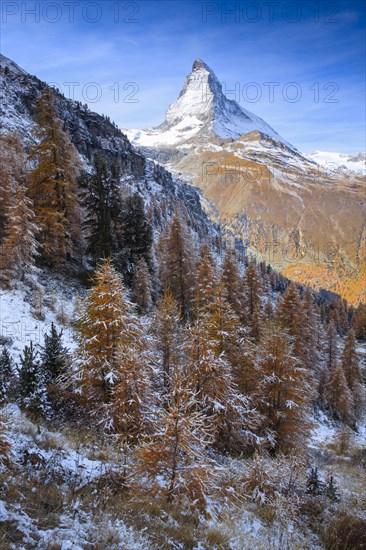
[
  {"x": 102, "y": 201},
  {"x": 232, "y": 282},
  {"x": 54, "y": 356},
  {"x": 350, "y": 362},
  {"x": 252, "y": 300},
  {"x": 132, "y": 395},
  {"x": 53, "y": 185},
  {"x": 176, "y": 263},
  {"x": 284, "y": 390},
  {"x": 175, "y": 454},
  {"x": 359, "y": 321},
  {"x": 13, "y": 173},
  {"x": 310, "y": 333},
  {"x": 112, "y": 357},
  {"x": 7, "y": 375},
  {"x": 19, "y": 247},
  {"x": 337, "y": 396},
  {"x": 32, "y": 388},
  {"x": 100, "y": 326},
  {"x": 331, "y": 490},
  {"x": 167, "y": 332},
  {"x": 211, "y": 379},
  {"x": 136, "y": 235},
  {"x": 206, "y": 281},
  {"x": 291, "y": 316},
  {"x": 314, "y": 485},
  {"x": 142, "y": 286}
]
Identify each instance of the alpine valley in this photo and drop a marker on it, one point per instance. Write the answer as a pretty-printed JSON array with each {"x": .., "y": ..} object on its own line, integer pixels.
[
  {"x": 162, "y": 385},
  {"x": 303, "y": 214}
]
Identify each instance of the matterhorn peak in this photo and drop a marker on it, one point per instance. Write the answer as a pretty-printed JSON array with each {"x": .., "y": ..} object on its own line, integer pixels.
[
  {"x": 198, "y": 65},
  {"x": 202, "y": 111}
]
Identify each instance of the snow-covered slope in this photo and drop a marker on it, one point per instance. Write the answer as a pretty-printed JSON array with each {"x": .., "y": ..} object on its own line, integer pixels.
[
  {"x": 202, "y": 110},
  {"x": 350, "y": 161}
]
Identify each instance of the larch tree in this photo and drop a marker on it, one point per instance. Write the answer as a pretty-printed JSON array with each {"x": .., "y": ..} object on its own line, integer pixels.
[
  {"x": 233, "y": 283},
  {"x": 206, "y": 281},
  {"x": 52, "y": 186},
  {"x": 352, "y": 371},
  {"x": 173, "y": 460},
  {"x": 13, "y": 172},
  {"x": 285, "y": 390},
  {"x": 211, "y": 378},
  {"x": 100, "y": 326},
  {"x": 291, "y": 316},
  {"x": 166, "y": 329},
  {"x": 19, "y": 246},
  {"x": 112, "y": 366},
  {"x": 337, "y": 396},
  {"x": 252, "y": 300},
  {"x": 142, "y": 286},
  {"x": 350, "y": 362},
  {"x": 176, "y": 262}
]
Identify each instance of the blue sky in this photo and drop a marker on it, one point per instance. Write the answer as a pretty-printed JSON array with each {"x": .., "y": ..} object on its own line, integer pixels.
[{"x": 312, "y": 50}]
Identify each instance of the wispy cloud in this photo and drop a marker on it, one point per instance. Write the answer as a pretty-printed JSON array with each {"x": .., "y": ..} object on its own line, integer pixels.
[{"x": 156, "y": 49}]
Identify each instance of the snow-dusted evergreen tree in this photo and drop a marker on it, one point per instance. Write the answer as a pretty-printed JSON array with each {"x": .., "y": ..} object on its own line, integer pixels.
[
  {"x": 19, "y": 247},
  {"x": 353, "y": 375},
  {"x": 53, "y": 185},
  {"x": 173, "y": 461},
  {"x": 142, "y": 286},
  {"x": 54, "y": 356},
  {"x": 314, "y": 485},
  {"x": 337, "y": 396},
  {"x": 284, "y": 390},
  {"x": 13, "y": 172},
  {"x": 233, "y": 283},
  {"x": 32, "y": 386},
  {"x": 206, "y": 281},
  {"x": 136, "y": 236},
  {"x": 311, "y": 333},
  {"x": 112, "y": 362},
  {"x": 101, "y": 198},
  {"x": 100, "y": 326},
  {"x": 359, "y": 321},
  {"x": 167, "y": 332},
  {"x": 176, "y": 262},
  {"x": 7, "y": 375},
  {"x": 252, "y": 300},
  {"x": 210, "y": 344},
  {"x": 291, "y": 315},
  {"x": 350, "y": 362}
]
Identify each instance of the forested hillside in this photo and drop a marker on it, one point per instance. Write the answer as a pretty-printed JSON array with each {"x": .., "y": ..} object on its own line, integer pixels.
[{"x": 197, "y": 386}]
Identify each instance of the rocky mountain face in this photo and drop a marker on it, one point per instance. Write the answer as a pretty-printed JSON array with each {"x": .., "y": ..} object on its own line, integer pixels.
[
  {"x": 305, "y": 219},
  {"x": 92, "y": 133}
]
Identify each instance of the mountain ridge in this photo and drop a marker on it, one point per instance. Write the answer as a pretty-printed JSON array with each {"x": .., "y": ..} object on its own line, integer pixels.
[{"x": 266, "y": 191}]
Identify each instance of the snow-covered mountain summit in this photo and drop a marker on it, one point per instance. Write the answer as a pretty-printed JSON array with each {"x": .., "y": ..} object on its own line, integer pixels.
[{"x": 202, "y": 110}]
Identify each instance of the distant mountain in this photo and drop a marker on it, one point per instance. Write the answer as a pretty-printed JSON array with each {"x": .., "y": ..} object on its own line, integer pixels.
[
  {"x": 350, "y": 161},
  {"x": 301, "y": 214},
  {"x": 202, "y": 111}
]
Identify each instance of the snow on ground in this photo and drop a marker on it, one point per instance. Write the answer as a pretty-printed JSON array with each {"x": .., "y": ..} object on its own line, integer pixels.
[
  {"x": 75, "y": 529},
  {"x": 27, "y": 316},
  {"x": 351, "y": 161}
]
